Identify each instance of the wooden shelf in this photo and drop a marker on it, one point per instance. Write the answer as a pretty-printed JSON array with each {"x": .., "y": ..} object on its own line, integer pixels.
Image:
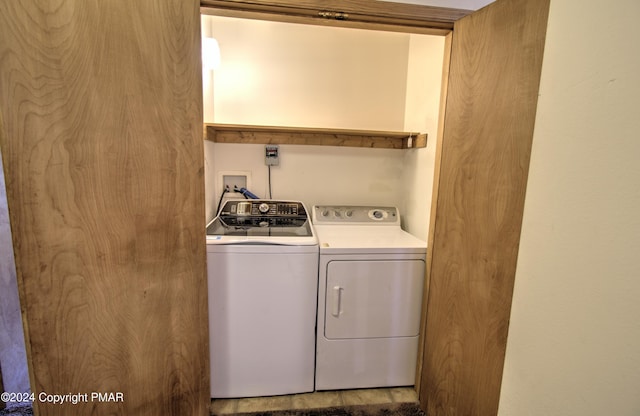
[{"x": 235, "y": 133}]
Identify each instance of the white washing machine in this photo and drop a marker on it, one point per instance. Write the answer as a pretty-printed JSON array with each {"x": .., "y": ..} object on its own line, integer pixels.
[
  {"x": 262, "y": 264},
  {"x": 371, "y": 280}
]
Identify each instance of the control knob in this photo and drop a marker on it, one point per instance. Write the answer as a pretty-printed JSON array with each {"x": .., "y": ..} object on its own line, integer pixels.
[
  {"x": 377, "y": 214},
  {"x": 263, "y": 207}
]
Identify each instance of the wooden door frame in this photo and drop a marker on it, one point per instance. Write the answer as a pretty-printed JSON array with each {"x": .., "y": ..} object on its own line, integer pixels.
[
  {"x": 366, "y": 14},
  {"x": 452, "y": 398},
  {"x": 383, "y": 16}
]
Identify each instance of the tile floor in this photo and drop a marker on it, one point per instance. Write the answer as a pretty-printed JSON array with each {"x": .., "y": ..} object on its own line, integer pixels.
[{"x": 314, "y": 400}]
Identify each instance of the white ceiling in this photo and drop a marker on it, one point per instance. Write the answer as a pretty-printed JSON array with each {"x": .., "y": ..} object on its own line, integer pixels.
[{"x": 454, "y": 4}]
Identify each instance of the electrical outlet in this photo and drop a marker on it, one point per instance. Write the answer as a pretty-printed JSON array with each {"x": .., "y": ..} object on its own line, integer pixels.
[{"x": 271, "y": 155}]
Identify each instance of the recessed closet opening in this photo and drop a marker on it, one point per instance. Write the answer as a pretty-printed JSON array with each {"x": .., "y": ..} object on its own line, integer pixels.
[{"x": 294, "y": 75}]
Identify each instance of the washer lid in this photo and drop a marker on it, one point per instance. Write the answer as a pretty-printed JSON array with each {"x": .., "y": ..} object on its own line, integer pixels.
[
  {"x": 261, "y": 222},
  {"x": 259, "y": 227}
]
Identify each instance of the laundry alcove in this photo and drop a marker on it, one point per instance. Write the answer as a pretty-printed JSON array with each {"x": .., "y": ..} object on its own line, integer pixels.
[{"x": 129, "y": 262}]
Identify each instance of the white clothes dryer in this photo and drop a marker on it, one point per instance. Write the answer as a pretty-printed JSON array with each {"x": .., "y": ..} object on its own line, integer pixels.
[{"x": 371, "y": 281}]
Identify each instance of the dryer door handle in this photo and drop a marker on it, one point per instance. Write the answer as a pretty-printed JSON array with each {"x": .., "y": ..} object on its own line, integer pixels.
[{"x": 337, "y": 297}]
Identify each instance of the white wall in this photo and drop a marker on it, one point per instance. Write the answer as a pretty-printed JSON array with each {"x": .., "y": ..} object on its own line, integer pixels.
[
  {"x": 276, "y": 73},
  {"x": 574, "y": 338},
  {"x": 424, "y": 76},
  {"x": 319, "y": 174},
  {"x": 333, "y": 78}
]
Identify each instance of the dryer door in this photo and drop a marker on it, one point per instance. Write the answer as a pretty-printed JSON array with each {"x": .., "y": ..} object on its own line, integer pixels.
[{"x": 373, "y": 298}]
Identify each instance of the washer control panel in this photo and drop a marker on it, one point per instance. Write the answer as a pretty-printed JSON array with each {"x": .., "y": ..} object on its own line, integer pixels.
[
  {"x": 263, "y": 208},
  {"x": 351, "y": 214}
]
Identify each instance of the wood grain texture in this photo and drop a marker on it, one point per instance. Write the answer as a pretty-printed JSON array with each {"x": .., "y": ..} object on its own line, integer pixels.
[
  {"x": 250, "y": 134},
  {"x": 307, "y": 19},
  {"x": 103, "y": 157},
  {"x": 495, "y": 69},
  {"x": 363, "y": 11}
]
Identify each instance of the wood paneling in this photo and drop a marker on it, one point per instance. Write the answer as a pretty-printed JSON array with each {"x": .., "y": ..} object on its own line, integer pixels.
[
  {"x": 235, "y": 133},
  {"x": 103, "y": 157},
  {"x": 348, "y": 13},
  {"x": 495, "y": 69}
]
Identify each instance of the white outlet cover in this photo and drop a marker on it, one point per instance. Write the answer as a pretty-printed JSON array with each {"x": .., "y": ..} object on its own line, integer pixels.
[{"x": 220, "y": 179}]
